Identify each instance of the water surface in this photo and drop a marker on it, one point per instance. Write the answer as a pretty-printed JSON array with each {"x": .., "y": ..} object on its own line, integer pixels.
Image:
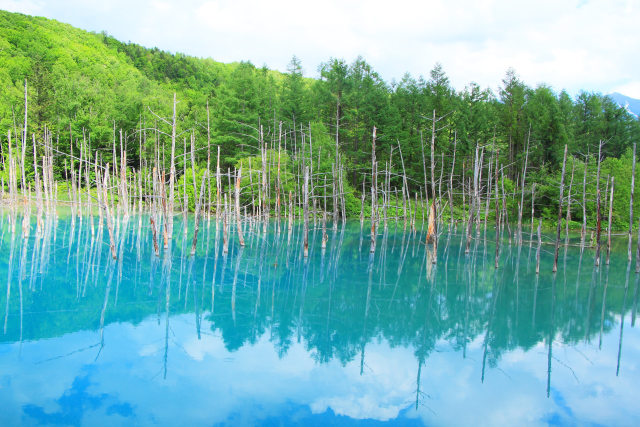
[{"x": 261, "y": 335}]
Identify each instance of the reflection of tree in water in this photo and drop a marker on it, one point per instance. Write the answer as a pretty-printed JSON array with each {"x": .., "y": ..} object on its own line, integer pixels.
[{"x": 336, "y": 301}]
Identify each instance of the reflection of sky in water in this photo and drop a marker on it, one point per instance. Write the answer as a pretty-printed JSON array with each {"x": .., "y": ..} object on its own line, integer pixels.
[
  {"x": 207, "y": 384},
  {"x": 341, "y": 338}
]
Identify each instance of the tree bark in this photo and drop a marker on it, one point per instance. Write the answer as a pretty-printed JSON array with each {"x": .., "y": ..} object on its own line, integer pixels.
[
  {"x": 564, "y": 165},
  {"x": 633, "y": 178}
]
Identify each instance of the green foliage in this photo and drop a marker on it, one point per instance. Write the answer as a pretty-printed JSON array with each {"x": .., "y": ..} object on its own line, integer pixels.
[{"x": 86, "y": 87}]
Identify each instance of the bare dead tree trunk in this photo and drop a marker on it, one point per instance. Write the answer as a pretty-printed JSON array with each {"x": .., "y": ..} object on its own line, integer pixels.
[
  {"x": 489, "y": 190},
  {"x": 606, "y": 193},
  {"x": 342, "y": 195},
  {"x": 38, "y": 194},
  {"x": 405, "y": 189},
  {"x": 208, "y": 162},
  {"x": 24, "y": 139},
  {"x": 374, "y": 195},
  {"x": 583, "y": 231},
  {"x": 278, "y": 182},
  {"x": 337, "y": 127},
  {"x": 453, "y": 164},
  {"x": 290, "y": 210},
  {"x": 568, "y": 218},
  {"x": 225, "y": 227},
  {"x": 472, "y": 201},
  {"x": 9, "y": 168},
  {"x": 325, "y": 237},
  {"x": 114, "y": 155},
  {"x": 165, "y": 212},
  {"x": 433, "y": 180},
  {"x": 26, "y": 219},
  {"x": 124, "y": 202},
  {"x": 265, "y": 194},
  {"x": 638, "y": 251},
  {"x": 306, "y": 211},
  {"x": 155, "y": 238},
  {"x": 218, "y": 188},
  {"x": 564, "y": 165},
  {"x": 440, "y": 180},
  {"x": 633, "y": 178},
  {"x": 539, "y": 245},
  {"x": 424, "y": 167},
  {"x": 464, "y": 196},
  {"x": 533, "y": 199},
  {"x": 172, "y": 172},
  {"x": 12, "y": 173},
  {"x": 105, "y": 207},
  {"x": 524, "y": 177},
  {"x": 415, "y": 212},
  {"x": 185, "y": 197},
  {"x": 197, "y": 213},
  {"x": 609, "y": 222},
  {"x": 505, "y": 212},
  {"x": 478, "y": 187},
  {"x": 361, "y": 202},
  {"x": 497, "y": 212},
  {"x": 598, "y": 210},
  {"x": 238, "y": 216}
]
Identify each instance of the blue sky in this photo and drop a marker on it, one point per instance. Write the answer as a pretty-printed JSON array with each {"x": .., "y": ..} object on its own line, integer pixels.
[{"x": 571, "y": 44}]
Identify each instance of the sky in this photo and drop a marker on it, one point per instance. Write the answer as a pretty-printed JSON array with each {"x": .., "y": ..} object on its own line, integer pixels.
[{"x": 590, "y": 45}]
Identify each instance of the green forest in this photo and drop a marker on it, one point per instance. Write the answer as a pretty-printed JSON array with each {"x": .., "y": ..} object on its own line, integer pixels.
[{"x": 84, "y": 86}]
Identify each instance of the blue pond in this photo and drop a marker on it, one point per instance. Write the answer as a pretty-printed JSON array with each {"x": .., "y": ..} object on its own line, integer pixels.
[{"x": 262, "y": 335}]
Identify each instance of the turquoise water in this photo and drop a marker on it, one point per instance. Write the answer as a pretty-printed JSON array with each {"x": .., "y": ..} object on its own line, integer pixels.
[{"x": 261, "y": 335}]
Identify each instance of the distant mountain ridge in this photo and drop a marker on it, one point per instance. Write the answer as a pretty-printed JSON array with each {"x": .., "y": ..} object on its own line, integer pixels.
[{"x": 631, "y": 104}]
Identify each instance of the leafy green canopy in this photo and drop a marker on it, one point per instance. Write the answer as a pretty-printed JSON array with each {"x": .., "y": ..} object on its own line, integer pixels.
[{"x": 80, "y": 81}]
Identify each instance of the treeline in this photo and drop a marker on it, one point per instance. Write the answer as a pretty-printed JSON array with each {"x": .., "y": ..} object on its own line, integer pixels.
[{"x": 89, "y": 84}]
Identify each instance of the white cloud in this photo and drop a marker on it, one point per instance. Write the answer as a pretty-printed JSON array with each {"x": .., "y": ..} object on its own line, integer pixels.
[
  {"x": 631, "y": 89},
  {"x": 567, "y": 44},
  {"x": 22, "y": 6}
]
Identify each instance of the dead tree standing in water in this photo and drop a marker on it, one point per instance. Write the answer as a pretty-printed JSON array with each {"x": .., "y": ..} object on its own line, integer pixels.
[
  {"x": 306, "y": 211},
  {"x": 633, "y": 178},
  {"x": 374, "y": 196},
  {"x": 598, "y": 210},
  {"x": 559, "y": 227}
]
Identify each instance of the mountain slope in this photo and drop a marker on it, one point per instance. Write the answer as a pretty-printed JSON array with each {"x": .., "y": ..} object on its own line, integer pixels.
[
  {"x": 70, "y": 73},
  {"x": 89, "y": 80},
  {"x": 631, "y": 104}
]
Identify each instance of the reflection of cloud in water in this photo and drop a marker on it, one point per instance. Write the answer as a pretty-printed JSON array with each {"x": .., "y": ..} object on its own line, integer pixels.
[
  {"x": 381, "y": 393},
  {"x": 385, "y": 388},
  {"x": 207, "y": 384},
  {"x": 515, "y": 391},
  {"x": 77, "y": 403}
]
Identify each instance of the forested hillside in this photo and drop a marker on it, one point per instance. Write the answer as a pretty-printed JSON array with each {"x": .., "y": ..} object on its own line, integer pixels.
[{"x": 84, "y": 82}]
